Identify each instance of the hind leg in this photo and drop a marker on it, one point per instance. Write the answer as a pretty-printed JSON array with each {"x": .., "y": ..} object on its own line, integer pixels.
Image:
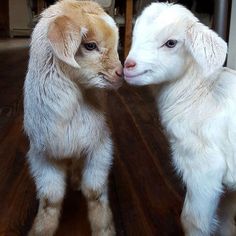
[
  {"x": 95, "y": 189},
  {"x": 50, "y": 185}
]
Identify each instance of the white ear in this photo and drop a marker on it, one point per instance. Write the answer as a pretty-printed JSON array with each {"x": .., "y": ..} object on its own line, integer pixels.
[
  {"x": 65, "y": 38},
  {"x": 207, "y": 48}
]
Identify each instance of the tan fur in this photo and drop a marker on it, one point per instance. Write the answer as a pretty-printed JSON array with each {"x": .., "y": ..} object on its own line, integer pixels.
[
  {"x": 88, "y": 15},
  {"x": 100, "y": 215},
  {"x": 47, "y": 219}
]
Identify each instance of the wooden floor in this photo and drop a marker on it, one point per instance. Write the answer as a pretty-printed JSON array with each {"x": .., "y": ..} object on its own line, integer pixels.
[{"x": 145, "y": 193}]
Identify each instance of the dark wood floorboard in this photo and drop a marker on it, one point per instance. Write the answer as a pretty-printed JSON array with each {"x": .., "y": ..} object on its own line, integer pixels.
[{"x": 145, "y": 193}]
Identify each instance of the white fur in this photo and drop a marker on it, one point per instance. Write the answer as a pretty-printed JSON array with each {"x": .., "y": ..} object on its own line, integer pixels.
[
  {"x": 197, "y": 104},
  {"x": 60, "y": 120}
]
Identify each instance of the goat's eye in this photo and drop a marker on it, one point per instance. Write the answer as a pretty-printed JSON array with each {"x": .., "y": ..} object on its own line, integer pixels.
[
  {"x": 90, "y": 46},
  {"x": 171, "y": 43}
]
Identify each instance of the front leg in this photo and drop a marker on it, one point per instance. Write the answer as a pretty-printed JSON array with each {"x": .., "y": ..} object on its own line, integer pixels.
[
  {"x": 49, "y": 176},
  {"x": 199, "y": 212},
  {"x": 95, "y": 188}
]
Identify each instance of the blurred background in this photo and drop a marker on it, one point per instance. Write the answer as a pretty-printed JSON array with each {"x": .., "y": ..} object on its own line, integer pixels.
[{"x": 18, "y": 17}]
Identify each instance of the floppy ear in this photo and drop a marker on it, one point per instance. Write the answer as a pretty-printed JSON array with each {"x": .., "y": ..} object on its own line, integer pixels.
[
  {"x": 207, "y": 48},
  {"x": 65, "y": 37}
]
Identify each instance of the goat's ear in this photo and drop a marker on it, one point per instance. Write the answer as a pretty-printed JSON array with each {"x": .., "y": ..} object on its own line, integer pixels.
[
  {"x": 65, "y": 38},
  {"x": 207, "y": 48}
]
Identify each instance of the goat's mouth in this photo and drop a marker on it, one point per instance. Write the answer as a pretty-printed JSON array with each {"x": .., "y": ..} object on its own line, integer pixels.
[{"x": 129, "y": 75}]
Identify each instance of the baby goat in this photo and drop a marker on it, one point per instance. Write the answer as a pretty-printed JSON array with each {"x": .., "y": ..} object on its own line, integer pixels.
[
  {"x": 197, "y": 104},
  {"x": 73, "y": 57}
]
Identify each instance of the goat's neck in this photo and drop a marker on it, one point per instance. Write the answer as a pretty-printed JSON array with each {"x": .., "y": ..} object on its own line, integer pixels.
[
  {"x": 91, "y": 96},
  {"x": 190, "y": 89}
]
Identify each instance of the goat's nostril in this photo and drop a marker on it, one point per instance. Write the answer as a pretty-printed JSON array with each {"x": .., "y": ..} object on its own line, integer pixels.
[
  {"x": 130, "y": 64},
  {"x": 119, "y": 72}
]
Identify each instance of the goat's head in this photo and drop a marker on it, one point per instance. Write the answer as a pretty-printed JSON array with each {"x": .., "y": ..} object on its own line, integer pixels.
[
  {"x": 167, "y": 39},
  {"x": 84, "y": 40}
]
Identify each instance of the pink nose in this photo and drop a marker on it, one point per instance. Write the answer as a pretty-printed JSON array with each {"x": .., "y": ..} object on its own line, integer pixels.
[
  {"x": 130, "y": 64},
  {"x": 119, "y": 71}
]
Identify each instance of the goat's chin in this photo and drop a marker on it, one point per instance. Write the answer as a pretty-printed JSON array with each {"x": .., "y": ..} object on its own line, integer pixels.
[
  {"x": 113, "y": 85},
  {"x": 141, "y": 80},
  {"x": 101, "y": 82},
  {"x": 136, "y": 82}
]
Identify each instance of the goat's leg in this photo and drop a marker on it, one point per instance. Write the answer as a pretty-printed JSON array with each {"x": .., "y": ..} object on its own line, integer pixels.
[
  {"x": 199, "y": 212},
  {"x": 94, "y": 187},
  {"x": 50, "y": 184}
]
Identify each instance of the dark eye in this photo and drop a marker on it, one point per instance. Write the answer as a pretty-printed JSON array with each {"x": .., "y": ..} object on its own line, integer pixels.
[
  {"x": 90, "y": 46},
  {"x": 171, "y": 43}
]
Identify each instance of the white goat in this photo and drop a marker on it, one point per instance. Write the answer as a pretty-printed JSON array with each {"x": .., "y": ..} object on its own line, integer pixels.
[
  {"x": 73, "y": 56},
  {"x": 197, "y": 105}
]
